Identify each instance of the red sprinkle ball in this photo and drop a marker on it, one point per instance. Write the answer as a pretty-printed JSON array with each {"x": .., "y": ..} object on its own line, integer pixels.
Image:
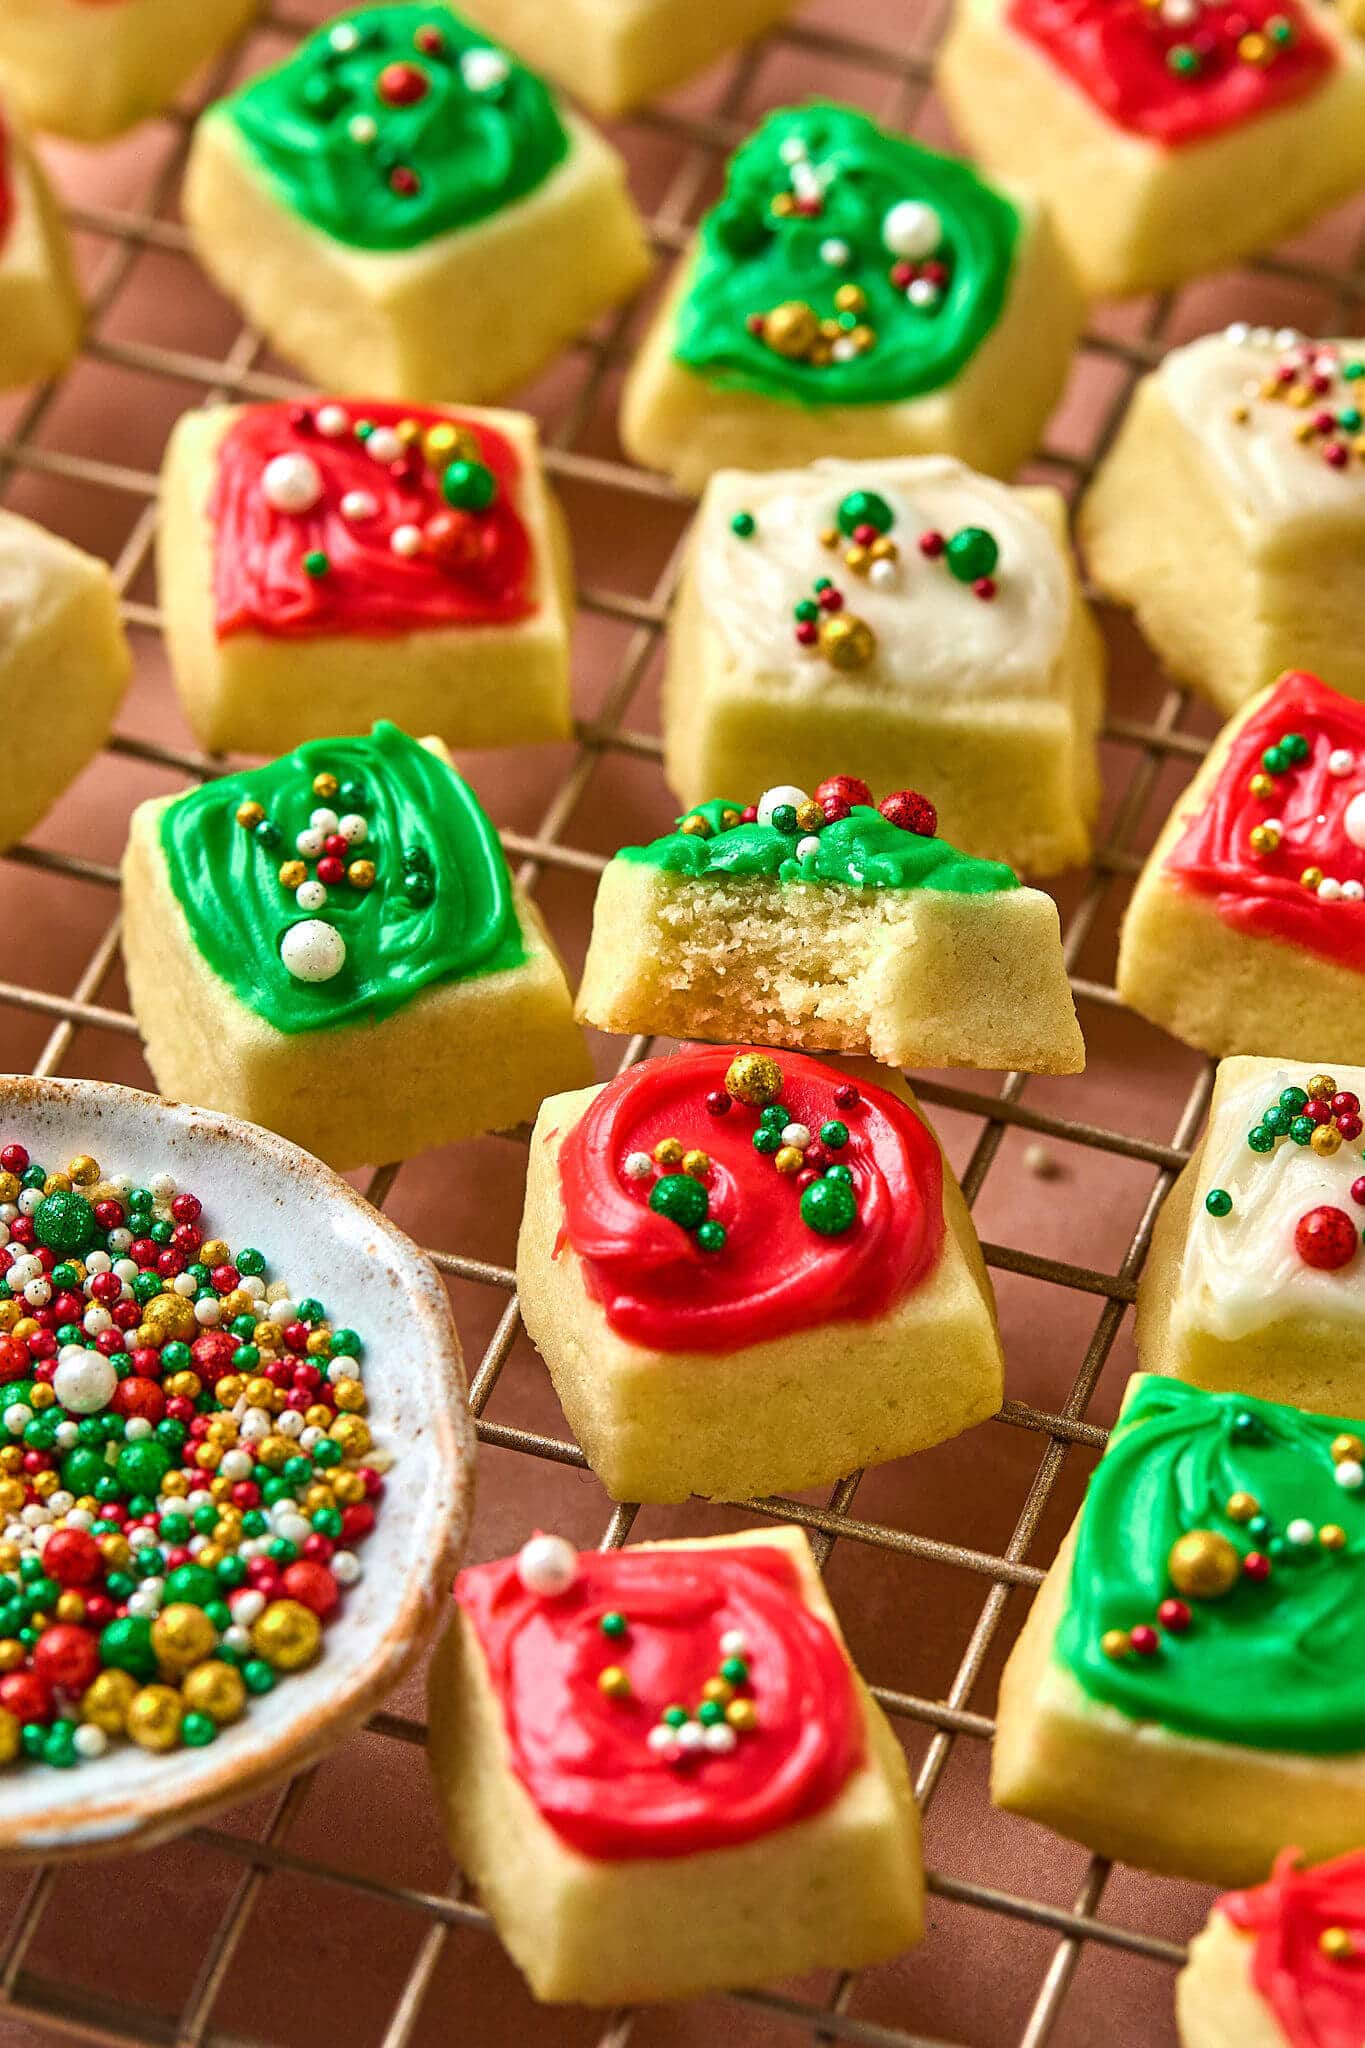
[
  {"x": 911, "y": 811},
  {"x": 182, "y": 1475},
  {"x": 1326, "y": 1238},
  {"x": 842, "y": 792},
  {"x": 402, "y": 85}
]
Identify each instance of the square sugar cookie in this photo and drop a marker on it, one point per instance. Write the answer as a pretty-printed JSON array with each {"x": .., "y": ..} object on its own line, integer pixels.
[
  {"x": 64, "y": 665},
  {"x": 614, "y": 54},
  {"x": 1230, "y": 513},
  {"x": 377, "y": 204},
  {"x": 975, "y": 670},
  {"x": 1278, "y": 1966},
  {"x": 824, "y": 924},
  {"x": 40, "y": 306},
  {"x": 328, "y": 564},
  {"x": 368, "y": 982},
  {"x": 664, "y": 1775},
  {"x": 1166, "y": 141},
  {"x": 853, "y": 293},
  {"x": 90, "y": 71},
  {"x": 1256, "y": 1278},
  {"x": 751, "y": 1273},
  {"x": 1246, "y": 930},
  {"x": 1185, "y": 1695}
]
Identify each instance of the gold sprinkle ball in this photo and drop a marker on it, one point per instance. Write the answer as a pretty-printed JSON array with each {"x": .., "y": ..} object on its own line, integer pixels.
[
  {"x": 884, "y": 549},
  {"x": 851, "y": 298},
  {"x": 1336, "y": 1943},
  {"x": 729, "y": 818},
  {"x": 287, "y": 1635},
  {"x": 831, "y": 537},
  {"x": 697, "y": 1163},
  {"x": 182, "y": 1635},
  {"x": 1255, "y": 49},
  {"x": 782, "y": 204},
  {"x": 863, "y": 338},
  {"x": 696, "y": 827},
  {"x": 614, "y": 1682},
  {"x": 718, "y": 1689},
  {"x": 84, "y": 1170},
  {"x": 1310, "y": 878},
  {"x": 249, "y": 815},
  {"x": 754, "y": 1078},
  {"x": 1326, "y": 1140},
  {"x": 1261, "y": 786},
  {"x": 1242, "y": 1506},
  {"x": 1332, "y": 1536},
  {"x": 1300, "y": 396},
  {"x": 669, "y": 1152},
  {"x": 791, "y": 329},
  {"x": 408, "y": 431},
  {"x": 1116, "y": 1643},
  {"x": 1263, "y": 839},
  {"x": 57, "y": 1183},
  {"x": 154, "y": 1717},
  {"x": 360, "y": 874},
  {"x": 1347, "y": 1445},
  {"x": 11, "y": 1736},
  {"x": 789, "y": 1159},
  {"x": 858, "y": 559},
  {"x": 11, "y": 1655},
  {"x": 810, "y": 815},
  {"x": 1239, "y": 415},
  {"x": 1320, "y": 1088},
  {"x": 1203, "y": 1565},
  {"x": 742, "y": 1716},
  {"x": 293, "y": 873},
  {"x": 325, "y": 786},
  {"x": 846, "y": 641},
  {"x": 215, "y": 1689}
]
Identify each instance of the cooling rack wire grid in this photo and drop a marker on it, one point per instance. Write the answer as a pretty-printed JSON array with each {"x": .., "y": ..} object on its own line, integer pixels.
[{"x": 1012, "y": 1906}]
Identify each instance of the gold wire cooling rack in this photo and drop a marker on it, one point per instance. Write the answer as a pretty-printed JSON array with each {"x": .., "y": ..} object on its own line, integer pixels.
[{"x": 266, "y": 1870}]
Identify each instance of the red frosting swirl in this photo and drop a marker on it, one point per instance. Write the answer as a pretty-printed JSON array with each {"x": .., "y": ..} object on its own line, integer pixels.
[
  {"x": 1261, "y": 894},
  {"x": 1318, "y": 1999},
  {"x": 6, "y": 186},
  {"x": 1184, "y": 82},
  {"x": 775, "y": 1275},
  {"x": 261, "y": 584},
  {"x": 585, "y": 1758}
]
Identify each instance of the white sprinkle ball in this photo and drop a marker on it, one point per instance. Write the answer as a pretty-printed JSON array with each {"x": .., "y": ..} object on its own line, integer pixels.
[
  {"x": 291, "y": 483},
  {"x": 84, "y": 1380},
  {"x": 912, "y": 230},
  {"x": 547, "y": 1565},
  {"x": 1301, "y": 1531},
  {"x": 384, "y": 445},
  {"x": 1350, "y": 1473},
  {"x": 774, "y": 798},
  {"x": 332, "y": 421},
  {"x": 311, "y": 895},
  {"x": 483, "y": 70},
  {"x": 313, "y": 951},
  {"x": 359, "y": 505},
  {"x": 406, "y": 541},
  {"x": 639, "y": 1165},
  {"x": 1340, "y": 761},
  {"x": 796, "y": 1134},
  {"x": 353, "y": 829},
  {"x": 807, "y": 846}
]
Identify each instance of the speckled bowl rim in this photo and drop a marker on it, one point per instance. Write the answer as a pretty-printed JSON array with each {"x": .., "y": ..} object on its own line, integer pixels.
[{"x": 81, "y": 1821}]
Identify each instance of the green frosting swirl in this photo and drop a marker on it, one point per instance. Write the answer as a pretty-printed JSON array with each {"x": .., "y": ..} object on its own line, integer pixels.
[
  {"x": 483, "y": 132},
  {"x": 1275, "y": 1664},
  {"x": 862, "y": 851},
  {"x": 399, "y": 939},
  {"x": 751, "y": 260}
]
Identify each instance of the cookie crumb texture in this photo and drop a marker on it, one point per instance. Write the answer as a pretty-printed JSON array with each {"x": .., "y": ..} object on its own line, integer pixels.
[
  {"x": 863, "y": 937},
  {"x": 670, "y": 1735},
  {"x": 186, "y": 1468},
  {"x": 1183, "y": 1696},
  {"x": 1165, "y": 142},
  {"x": 332, "y": 946},
  {"x": 376, "y": 202}
]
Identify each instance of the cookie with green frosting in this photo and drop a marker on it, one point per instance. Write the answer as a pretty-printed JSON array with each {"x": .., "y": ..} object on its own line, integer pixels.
[
  {"x": 862, "y": 849},
  {"x": 337, "y": 883},
  {"x": 391, "y": 125},
  {"x": 844, "y": 265}
]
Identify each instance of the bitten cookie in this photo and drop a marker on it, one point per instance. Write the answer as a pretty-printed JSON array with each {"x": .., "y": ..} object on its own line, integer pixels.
[
  {"x": 377, "y": 204},
  {"x": 368, "y": 982},
  {"x": 1279, "y": 1966},
  {"x": 613, "y": 54},
  {"x": 662, "y": 1772},
  {"x": 853, "y": 292},
  {"x": 824, "y": 923},
  {"x": 912, "y": 619},
  {"x": 749, "y": 1273},
  {"x": 1255, "y": 1278},
  {"x": 1166, "y": 140},
  {"x": 64, "y": 665},
  {"x": 40, "y": 307},
  {"x": 325, "y": 565},
  {"x": 1246, "y": 931},
  {"x": 1186, "y": 1694},
  {"x": 91, "y": 68},
  {"x": 1230, "y": 514}
]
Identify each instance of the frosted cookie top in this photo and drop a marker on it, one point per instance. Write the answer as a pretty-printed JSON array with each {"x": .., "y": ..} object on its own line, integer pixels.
[
  {"x": 1281, "y": 419},
  {"x": 943, "y": 582},
  {"x": 844, "y": 265},
  {"x": 1276, "y": 1227},
  {"x": 1308, "y": 1931},
  {"x": 394, "y": 124}
]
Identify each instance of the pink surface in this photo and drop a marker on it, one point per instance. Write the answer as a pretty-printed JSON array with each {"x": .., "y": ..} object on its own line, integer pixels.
[{"x": 327, "y": 1963}]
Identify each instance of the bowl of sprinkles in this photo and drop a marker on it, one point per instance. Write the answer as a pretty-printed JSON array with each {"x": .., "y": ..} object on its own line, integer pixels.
[{"x": 235, "y": 1463}]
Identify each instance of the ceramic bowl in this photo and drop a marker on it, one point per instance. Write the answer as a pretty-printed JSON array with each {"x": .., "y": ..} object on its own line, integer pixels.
[{"x": 323, "y": 1238}]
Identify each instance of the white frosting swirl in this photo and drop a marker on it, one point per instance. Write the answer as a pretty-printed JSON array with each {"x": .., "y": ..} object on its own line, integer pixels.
[
  {"x": 1264, "y": 471},
  {"x": 935, "y": 637},
  {"x": 1241, "y": 1271}
]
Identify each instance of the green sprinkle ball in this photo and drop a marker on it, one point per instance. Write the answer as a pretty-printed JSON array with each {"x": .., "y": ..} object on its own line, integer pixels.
[
  {"x": 680, "y": 1198},
  {"x": 1218, "y": 1202},
  {"x": 828, "y": 1207}
]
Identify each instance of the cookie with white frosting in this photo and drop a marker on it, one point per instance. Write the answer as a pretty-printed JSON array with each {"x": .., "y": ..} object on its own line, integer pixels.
[
  {"x": 919, "y": 622},
  {"x": 1230, "y": 513}
]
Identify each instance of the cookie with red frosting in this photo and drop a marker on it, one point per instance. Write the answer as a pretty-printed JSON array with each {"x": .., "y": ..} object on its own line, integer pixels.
[
  {"x": 90, "y": 69},
  {"x": 326, "y": 564},
  {"x": 1167, "y": 137},
  {"x": 664, "y": 1774},
  {"x": 40, "y": 307},
  {"x": 1246, "y": 932},
  {"x": 752, "y": 1273},
  {"x": 1282, "y": 1965}
]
